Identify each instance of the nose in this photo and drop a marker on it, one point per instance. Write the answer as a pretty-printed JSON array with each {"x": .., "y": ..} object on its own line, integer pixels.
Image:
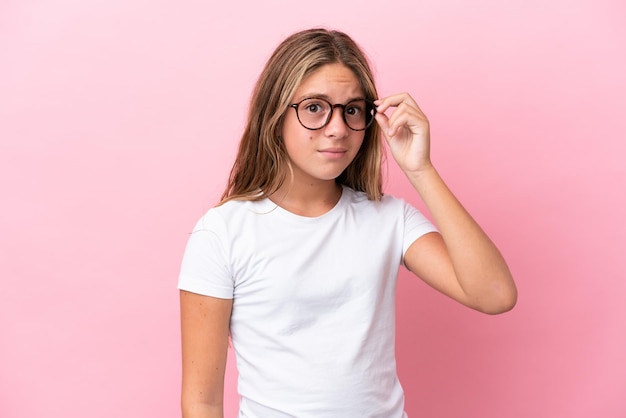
[{"x": 336, "y": 126}]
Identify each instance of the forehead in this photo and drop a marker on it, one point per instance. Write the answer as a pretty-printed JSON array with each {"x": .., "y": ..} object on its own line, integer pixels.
[{"x": 335, "y": 81}]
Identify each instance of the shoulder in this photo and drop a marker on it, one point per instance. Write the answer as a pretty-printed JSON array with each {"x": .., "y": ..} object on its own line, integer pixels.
[
  {"x": 232, "y": 212},
  {"x": 389, "y": 209}
]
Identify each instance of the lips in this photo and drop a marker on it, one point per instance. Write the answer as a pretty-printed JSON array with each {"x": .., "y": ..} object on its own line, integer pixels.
[{"x": 333, "y": 152}]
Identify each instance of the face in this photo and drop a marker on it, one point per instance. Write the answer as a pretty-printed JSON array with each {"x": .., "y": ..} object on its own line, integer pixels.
[{"x": 320, "y": 156}]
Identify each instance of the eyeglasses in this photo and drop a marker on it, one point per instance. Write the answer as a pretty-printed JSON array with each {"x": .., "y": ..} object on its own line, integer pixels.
[{"x": 315, "y": 113}]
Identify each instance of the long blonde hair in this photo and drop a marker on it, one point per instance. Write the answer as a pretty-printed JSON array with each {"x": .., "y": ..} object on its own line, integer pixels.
[{"x": 262, "y": 163}]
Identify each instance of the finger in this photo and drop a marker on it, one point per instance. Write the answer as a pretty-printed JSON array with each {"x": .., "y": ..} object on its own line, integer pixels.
[
  {"x": 407, "y": 116},
  {"x": 383, "y": 122},
  {"x": 394, "y": 101},
  {"x": 391, "y": 126}
]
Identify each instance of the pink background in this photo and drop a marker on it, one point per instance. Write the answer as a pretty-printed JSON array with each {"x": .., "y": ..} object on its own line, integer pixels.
[{"x": 118, "y": 124}]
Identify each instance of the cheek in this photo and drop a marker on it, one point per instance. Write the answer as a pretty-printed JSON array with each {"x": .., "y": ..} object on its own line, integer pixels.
[
  {"x": 286, "y": 126},
  {"x": 361, "y": 141},
  {"x": 361, "y": 146},
  {"x": 291, "y": 128}
]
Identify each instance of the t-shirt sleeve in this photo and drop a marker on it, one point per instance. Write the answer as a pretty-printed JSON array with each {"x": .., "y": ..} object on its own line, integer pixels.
[
  {"x": 415, "y": 225},
  {"x": 205, "y": 266}
]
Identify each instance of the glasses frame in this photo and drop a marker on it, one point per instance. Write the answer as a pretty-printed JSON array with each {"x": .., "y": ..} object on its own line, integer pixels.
[{"x": 295, "y": 106}]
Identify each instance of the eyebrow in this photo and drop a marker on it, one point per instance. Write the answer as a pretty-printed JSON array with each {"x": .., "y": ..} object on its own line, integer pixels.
[{"x": 326, "y": 97}]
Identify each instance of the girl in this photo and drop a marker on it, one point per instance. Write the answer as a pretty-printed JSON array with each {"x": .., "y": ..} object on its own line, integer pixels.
[{"x": 298, "y": 262}]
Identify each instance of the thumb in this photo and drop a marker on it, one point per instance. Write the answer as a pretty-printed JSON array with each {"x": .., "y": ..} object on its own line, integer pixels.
[{"x": 383, "y": 122}]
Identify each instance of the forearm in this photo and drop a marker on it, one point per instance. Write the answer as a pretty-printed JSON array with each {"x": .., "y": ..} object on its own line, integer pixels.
[{"x": 480, "y": 269}]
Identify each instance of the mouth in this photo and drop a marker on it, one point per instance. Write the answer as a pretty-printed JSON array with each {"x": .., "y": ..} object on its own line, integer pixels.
[{"x": 333, "y": 153}]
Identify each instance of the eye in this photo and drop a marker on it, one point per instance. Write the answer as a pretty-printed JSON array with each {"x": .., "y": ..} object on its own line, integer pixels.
[
  {"x": 355, "y": 109},
  {"x": 314, "y": 106}
]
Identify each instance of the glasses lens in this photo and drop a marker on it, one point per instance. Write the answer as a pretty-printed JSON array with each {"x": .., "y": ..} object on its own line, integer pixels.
[
  {"x": 359, "y": 114},
  {"x": 313, "y": 113}
]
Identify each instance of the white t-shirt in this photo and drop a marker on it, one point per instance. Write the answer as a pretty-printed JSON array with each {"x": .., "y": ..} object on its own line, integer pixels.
[{"x": 313, "y": 302}]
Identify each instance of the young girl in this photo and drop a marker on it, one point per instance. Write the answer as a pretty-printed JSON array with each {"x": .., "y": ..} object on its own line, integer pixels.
[{"x": 298, "y": 262}]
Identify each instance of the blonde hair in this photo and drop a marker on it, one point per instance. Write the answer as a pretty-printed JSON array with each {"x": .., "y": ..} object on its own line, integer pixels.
[{"x": 262, "y": 163}]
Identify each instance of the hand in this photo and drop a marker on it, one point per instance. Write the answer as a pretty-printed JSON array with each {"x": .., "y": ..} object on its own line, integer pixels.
[{"x": 407, "y": 132}]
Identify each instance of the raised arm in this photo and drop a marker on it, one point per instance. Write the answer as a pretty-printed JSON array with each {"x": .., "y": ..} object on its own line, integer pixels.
[
  {"x": 461, "y": 262},
  {"x": 204, "y": 327}
]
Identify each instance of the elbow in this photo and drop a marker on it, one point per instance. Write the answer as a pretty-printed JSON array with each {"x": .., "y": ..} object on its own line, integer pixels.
[
  {"x": 201, "y": 409},
  {"x": 501, "y": 301},
  {"x": 502, "y": 306}
]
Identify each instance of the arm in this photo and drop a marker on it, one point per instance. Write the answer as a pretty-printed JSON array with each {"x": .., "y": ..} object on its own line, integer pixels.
[
  {"x": 461, "y": 262},
  {"x": 204, "y": 329}
]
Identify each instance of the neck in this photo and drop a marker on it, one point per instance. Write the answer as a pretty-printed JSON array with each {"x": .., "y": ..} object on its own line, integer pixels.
[{"x": 312, "y": 200}]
